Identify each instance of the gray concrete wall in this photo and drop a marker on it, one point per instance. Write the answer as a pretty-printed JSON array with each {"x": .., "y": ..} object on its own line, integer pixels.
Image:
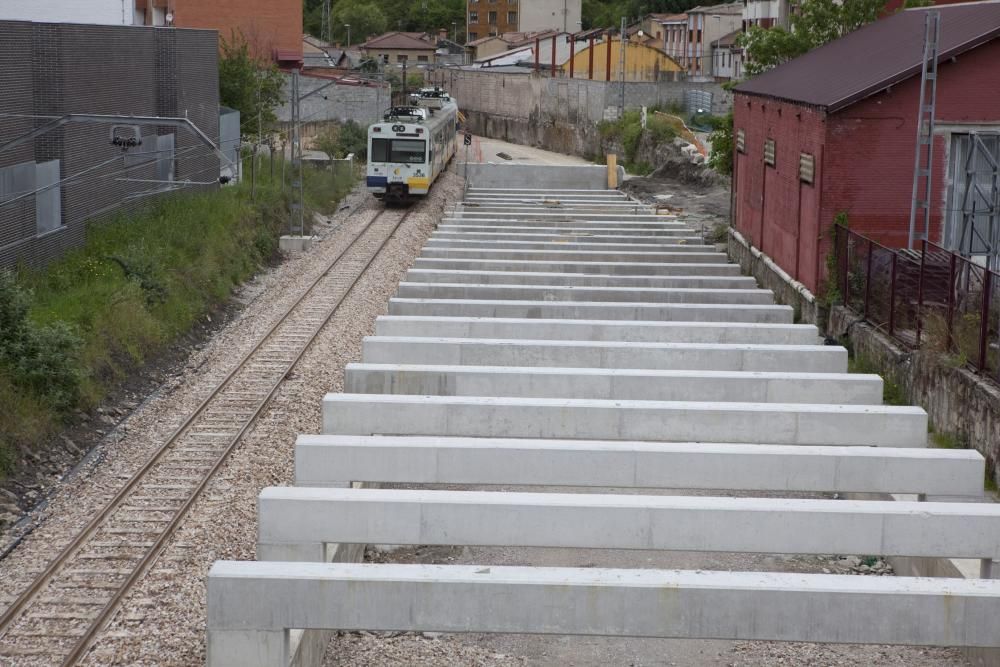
[
  {"x": 362, "y": 104},
  {"x": 556, "y": 113}
]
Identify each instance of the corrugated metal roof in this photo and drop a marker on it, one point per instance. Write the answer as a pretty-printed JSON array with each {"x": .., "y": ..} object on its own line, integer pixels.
[{"x": 840, "y": 73}]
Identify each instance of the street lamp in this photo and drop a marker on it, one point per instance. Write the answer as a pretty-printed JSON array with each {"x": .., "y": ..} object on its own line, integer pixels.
[
  {"x": 348, "y": 26},
  {"x": 454, "y": 31}
]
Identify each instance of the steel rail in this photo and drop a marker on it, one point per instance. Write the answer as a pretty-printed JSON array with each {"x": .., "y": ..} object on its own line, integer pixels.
[{"x": 104, "y": 615}]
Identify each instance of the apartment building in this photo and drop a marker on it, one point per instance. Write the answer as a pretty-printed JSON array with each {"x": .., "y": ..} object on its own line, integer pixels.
[{"x": 496, "y": 17}]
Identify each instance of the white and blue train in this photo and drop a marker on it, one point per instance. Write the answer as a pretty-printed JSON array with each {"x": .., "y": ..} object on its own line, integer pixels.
[{"x": 412, "y": 146}]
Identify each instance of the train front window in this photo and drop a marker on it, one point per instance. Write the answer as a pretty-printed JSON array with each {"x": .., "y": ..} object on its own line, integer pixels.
[
  {"x": 408, "y": 151},
  {"x": 380, "y": 150}
]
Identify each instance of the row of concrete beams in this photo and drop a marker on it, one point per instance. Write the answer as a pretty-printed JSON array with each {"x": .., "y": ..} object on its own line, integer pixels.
[{"x": 556, "y": 350}]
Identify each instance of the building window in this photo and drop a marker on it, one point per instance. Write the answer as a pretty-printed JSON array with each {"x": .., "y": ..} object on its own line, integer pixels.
[
  {"x": 492, "y": 18},
  {"x": 512, "y": 18},
  {"x": 769, "y": 152},
  {"x": 807, "y": 168},
  {"x": 473, "y": 17},
  {"x": 473, "y": 36},
  {"x": 421, "y": 59},
  {"x": 741, "y": 141},
  {"x": 400, "y": 58}
]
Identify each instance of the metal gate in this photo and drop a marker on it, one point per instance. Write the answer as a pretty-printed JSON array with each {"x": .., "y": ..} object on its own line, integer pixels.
[
  {"x": 698, "y": 101},
  {"x": 973, "y": 228}
]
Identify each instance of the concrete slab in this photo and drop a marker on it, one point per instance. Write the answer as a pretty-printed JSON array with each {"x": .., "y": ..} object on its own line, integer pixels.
[
  {"x": 251, "y": 605},
  {"x": 597, "y": 330},
  {"x": 335, "y": 460},
  {"x": 590, "y": 419},
  {"x": 292, "y": 517},
  {"x": 590, "y": 267},
  {"x": 577, "y": 279},
  {"x": 543, "y": 292},
  {"x": 604, "y": 354},
  {"x": 559, "y": 216},
  {"x": 584, "y": 310},
  {"x": 673, "y": 256},
  {"x": 613, "y": 383}
]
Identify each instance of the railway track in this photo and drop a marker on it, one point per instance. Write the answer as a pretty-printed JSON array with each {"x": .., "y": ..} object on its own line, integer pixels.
[{"x": 56, "y": 619}]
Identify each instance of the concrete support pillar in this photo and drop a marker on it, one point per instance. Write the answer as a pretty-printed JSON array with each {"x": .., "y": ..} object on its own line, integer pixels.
[{"x": 238, "y": 648}]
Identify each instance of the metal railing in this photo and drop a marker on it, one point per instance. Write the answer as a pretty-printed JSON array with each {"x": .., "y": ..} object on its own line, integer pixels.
[{"x": 931, "y": 297}]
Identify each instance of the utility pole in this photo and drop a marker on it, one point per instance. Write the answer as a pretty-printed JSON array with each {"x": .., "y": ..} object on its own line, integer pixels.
[
  {"x": 621, "y": 67},
  {"x": 326, "y": 28},
  {"x": 348, "y": 26},
  {"x": 297, "y": 218}
]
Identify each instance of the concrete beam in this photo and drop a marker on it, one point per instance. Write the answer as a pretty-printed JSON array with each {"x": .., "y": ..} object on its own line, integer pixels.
[
  {"x": 251, "y": 606},
  {"x": 577, "y": 279},
  {"x": 591, "y": 268},
  {"x": 650, "y": 243},
  {"x": 562, "y": 215},
  {"x": 590, "y": 419},
  {"x": 295, "y": 516},
  {"x": 600, "y": 354},
  {"x": 336, "y": 460},
  {"x": 583, "y": 310},
  {"x": 613, "y": 383},
  {"x": 663, "y": 223},
  {"x": 674, "y": 256},
  {"x": 583, "y": 233},
  {"x": 543, "y": 292},
  {"x": 598, "y": 330}
]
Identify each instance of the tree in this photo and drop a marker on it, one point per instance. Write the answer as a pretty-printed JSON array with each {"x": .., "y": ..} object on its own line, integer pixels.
[
  {"x": 816, "y": 23},
  {"x": 249, "y": 84},
  {"x": 366, "y": 20}
]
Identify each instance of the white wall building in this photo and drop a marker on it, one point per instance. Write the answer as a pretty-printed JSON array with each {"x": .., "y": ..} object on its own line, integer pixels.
[
  {"x": 107, "y": 12},
  {"x": 562, "y": 15},
  {"x": 766, "y": 13}
]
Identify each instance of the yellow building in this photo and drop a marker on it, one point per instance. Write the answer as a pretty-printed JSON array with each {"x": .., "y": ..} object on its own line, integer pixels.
[{"x": 642, "y": 63}]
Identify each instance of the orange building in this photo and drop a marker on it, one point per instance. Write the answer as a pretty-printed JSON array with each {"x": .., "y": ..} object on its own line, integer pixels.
[{"x": 273, "y": 28}]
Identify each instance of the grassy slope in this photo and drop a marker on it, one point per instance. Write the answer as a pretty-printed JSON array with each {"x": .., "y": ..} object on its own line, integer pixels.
[{"x": 142, "y": 281}]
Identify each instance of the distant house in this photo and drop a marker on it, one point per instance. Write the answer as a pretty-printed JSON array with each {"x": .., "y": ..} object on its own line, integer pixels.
[
  {"x": 401, "y": 47},
  {"x": 727, "y": 57},
  {"x": 834, "y": 132},
  {"x": 488, "y": 18},
  {"x": 322, "y": 56}
]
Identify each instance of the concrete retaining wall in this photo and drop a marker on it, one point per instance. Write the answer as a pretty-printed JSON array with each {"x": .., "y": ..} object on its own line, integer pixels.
[{"x": 583, "y": 177}]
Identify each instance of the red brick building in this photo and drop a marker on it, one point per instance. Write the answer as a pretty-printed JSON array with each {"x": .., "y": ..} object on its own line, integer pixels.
[
  {"x": 273, "y": 28},
  {"x": 835, "y": 130}
]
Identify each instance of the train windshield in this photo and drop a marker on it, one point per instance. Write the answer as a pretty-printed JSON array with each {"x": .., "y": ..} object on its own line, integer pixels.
[{"x": 407, "y": 151}]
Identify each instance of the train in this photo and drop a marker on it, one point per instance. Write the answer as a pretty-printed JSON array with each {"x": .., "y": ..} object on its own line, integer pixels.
[{"x": 411, "y": 146}]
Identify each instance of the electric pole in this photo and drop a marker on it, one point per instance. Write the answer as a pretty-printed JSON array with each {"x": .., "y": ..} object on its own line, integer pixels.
[{"x": 621, "y": 66}]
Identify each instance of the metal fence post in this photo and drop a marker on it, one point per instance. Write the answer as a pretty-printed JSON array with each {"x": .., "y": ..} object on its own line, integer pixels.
[
  {"x": 892, "y": 295},
  {"x": 868, "y": 278},
  {"x": 951, "y": 299},
  {"x": 920, "y": 289},
  {"x": 984, "y": 323}
]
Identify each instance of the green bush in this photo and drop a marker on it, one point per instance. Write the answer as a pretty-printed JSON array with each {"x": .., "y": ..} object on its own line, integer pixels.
[
  {"x": 37, "y": 358},
  {"x": 721, "y": 159}
]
